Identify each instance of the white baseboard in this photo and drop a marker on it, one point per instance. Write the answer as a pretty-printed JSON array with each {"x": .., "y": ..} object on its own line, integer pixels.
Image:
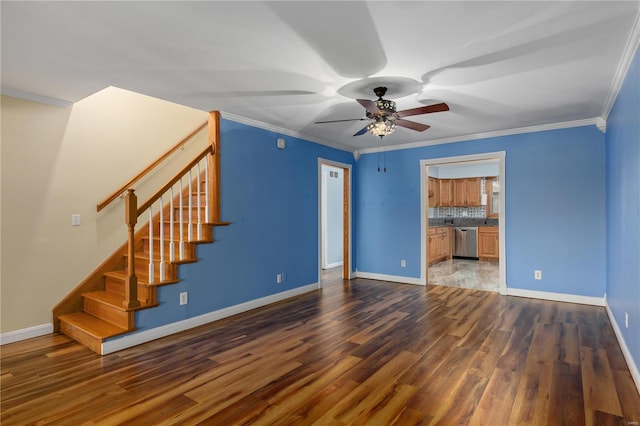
[
  {"x": 26, "y": 333},
  {"x": 131, "y": 340},
  {"x": 556, "y": 297},
  {"x": 633, "y": 368},
  {"x": 333, "y": 265},
  {"x": 392, "y": 278}
]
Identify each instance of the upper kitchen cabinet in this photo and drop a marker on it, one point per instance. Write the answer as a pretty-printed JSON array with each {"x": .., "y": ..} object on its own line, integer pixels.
[
  {"x": 466, "y": 192},
  {"x": 492, "y": 189},
  {"x": 434, "y": 192},
  {"x": 446, "y": 192}
]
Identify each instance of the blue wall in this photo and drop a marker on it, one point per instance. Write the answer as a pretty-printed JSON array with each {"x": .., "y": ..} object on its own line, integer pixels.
[
  {"x": 623, "y": 208},
  {"x": 270, "y": 196},
  {"x": 555, "y": 209}
]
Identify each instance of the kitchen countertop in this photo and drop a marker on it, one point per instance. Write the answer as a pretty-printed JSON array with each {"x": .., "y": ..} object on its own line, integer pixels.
[{"x": 463, "y": 221}]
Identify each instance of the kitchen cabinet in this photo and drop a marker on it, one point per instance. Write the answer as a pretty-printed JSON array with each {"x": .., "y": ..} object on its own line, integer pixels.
[
  {"x": 439, "y": 244},
  {"x": 434, "y": 192},
  {"x": 466, "y": 192},
  {"x": 488, "y": 243},
  {"x": 446, "y": 192}
]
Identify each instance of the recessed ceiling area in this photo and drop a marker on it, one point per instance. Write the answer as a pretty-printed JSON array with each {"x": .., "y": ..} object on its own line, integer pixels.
[{"x": 497, "y": 65}]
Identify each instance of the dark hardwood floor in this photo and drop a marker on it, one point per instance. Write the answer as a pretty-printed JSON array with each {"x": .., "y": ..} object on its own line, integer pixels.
[{"x": 359, "y": 352}]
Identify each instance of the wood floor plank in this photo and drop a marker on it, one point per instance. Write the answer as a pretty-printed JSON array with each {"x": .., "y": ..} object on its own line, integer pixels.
[
  {"x": 566, "y": 402},
  {"x": 531, "y": 404},
  {"x": 356, "y": 352},
  {"x": 365, "y": 399},
  {"x": 597, "y": 384},
  {"x": 495, "y": 405}
]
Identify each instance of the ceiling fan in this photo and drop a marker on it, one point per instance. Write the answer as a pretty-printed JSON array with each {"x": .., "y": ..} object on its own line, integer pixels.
[{"x": 385, "y": 118}]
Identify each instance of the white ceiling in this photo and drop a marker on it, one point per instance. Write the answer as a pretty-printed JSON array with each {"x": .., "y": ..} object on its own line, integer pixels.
[{"x": 498, "y": 65}]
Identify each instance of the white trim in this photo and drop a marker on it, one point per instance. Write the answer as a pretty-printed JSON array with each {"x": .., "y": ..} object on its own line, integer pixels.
[
  {"x": 497, "y": 133},
  {"x": 131, "y": 340},
  {"x": 333, "y": 265},
  {"x": 557, "y": 297},
  {"x": 623, "y": 67},
  {"x": 321, "y": 162},
  {"x": 601, "y": 124},
  {"x": 25, "y": 333},
  {"x": 392, "y": 278},
  {"x": 633, "y": 368},
  {"x": 497, "y": 155},
  {"x": 281, "y": 130}
]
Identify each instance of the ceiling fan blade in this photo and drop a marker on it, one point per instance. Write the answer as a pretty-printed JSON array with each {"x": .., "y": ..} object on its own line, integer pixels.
[
  {"x": 423, "y": 110},
  {"x": 418, "y": 127},
  {"x": 339, "y": 121},
  {"x": 362, "y": 131},
  {"x": 370, "y": 106}
]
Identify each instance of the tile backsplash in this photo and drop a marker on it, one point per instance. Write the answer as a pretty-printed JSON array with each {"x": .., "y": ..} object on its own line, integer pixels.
[{"x": 444, "y": 212}]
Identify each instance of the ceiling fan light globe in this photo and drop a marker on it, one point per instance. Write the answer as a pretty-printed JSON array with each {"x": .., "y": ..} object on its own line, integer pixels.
[{"x": 381, "y": 127}]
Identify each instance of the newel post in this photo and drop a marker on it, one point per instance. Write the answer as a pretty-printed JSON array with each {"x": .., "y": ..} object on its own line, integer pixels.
[
  {"x": 131, "y": 284},
  {"x": 214, "y": 166}
]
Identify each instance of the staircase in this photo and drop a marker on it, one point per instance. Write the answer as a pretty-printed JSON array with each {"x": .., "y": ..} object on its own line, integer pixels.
[{"x": 104, "y": 305}]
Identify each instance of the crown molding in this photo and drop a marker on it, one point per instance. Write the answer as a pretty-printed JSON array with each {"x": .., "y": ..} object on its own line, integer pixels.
[
  {"x": 623, "y": 67},
  {"x": 498, "y": 133},
  {"x": 34, "y": 97},
  {"x": 282, "y": 130}
]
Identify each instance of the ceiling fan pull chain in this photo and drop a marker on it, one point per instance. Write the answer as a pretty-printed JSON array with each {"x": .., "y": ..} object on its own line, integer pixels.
[{"x": 384, "y": 160}]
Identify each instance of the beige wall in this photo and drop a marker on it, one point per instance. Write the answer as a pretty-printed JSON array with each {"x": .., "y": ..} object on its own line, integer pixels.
[{"x": 59, "y": 161}]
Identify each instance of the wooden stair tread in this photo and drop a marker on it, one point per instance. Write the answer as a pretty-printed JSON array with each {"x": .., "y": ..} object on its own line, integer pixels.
[
  {"x": 143, "y": 279},
  {"x": 93, "y": 326},
  {"x": 156, "y": 257},
  {"x": 115, "y": 300}
]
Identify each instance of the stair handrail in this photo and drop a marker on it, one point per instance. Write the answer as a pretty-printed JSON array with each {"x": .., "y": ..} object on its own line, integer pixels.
[
  {"x": 156, "y": 196},
  {"x": 132, "y": 212},
  {"x": 121, "y": 190}
]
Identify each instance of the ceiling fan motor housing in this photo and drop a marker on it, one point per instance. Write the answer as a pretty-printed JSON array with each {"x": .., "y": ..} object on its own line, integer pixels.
[{"x": 386, "y": 107}]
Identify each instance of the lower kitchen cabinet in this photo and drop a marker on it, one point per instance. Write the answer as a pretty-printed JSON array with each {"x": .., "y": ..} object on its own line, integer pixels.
[
  {"x": 439, "y": 244},
  {"x": 488, "y": 243}
]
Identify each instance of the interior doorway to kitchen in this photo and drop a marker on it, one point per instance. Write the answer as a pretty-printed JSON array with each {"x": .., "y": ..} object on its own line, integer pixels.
[
  {"x": 451, "y": 225},
  {"x": 334, "y": 218}
]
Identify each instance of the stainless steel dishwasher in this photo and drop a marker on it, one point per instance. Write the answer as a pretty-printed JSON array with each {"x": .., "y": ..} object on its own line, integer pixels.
[{"x": 465, "y": 242}]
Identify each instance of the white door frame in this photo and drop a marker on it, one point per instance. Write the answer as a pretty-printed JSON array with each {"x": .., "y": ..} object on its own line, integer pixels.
[
  {"x": 346, "y": 225},
  {"x": 424, "y": 200}
]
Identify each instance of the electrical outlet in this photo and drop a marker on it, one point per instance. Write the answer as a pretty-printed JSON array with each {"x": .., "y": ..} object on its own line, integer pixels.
[
  {"x": 279, "y": 279},
  {"x": 626, "y": 320},
  {"x": 184, "y": 298},
  {"x": 403, "y": 263},
  {"x": 537, "y": 274},
  {"x": 75, "y": 219}
]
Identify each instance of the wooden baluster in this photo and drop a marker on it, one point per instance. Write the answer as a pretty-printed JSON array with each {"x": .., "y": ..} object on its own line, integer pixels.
[
  {"x": 198, "y": 203},
  {"x": 161, "y": 235},
  {"x": 207, "y": 214},
  {"x": 151, "y": 265},
  {"x": 131, "y": 284},
  {"x": 181, "y": 223},
  {"x": 172, "y": 248},
  {"x": 214, "y": 166},
  {"x": 190, "y": 204}
]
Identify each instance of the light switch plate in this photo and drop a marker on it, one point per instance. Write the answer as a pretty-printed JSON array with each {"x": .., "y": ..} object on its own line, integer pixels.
[{"x": 75, "y": 219}]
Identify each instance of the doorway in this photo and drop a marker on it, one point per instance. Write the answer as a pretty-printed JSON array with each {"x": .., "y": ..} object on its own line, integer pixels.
[
  {"x": 334, "y": 217},
  {"x": 469, "y": 161}
]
